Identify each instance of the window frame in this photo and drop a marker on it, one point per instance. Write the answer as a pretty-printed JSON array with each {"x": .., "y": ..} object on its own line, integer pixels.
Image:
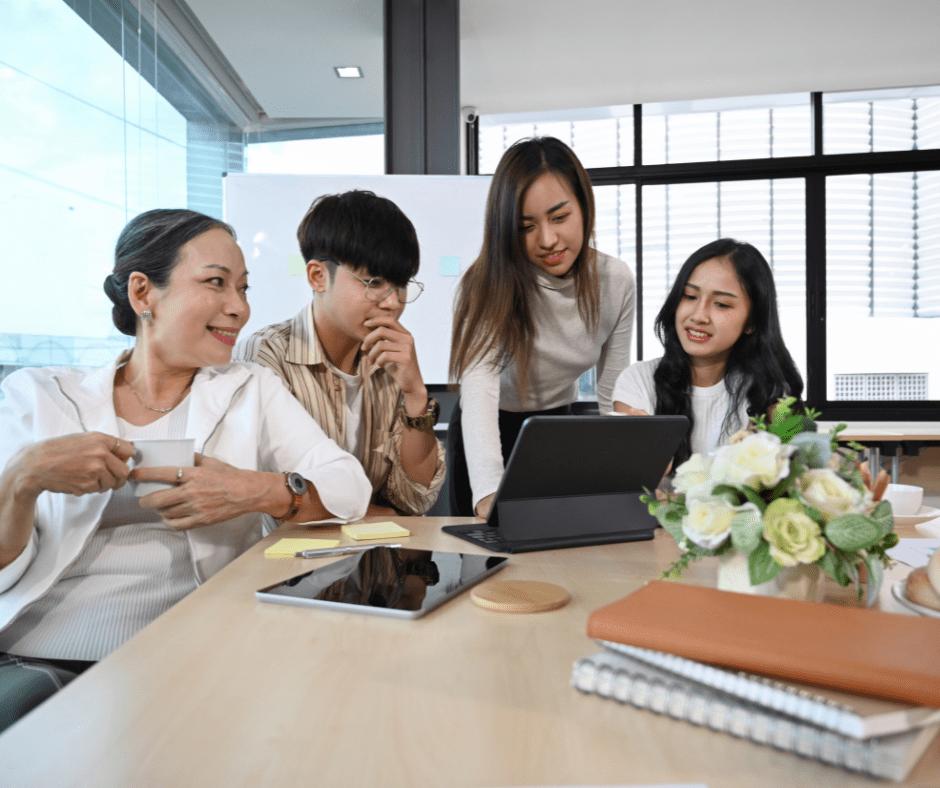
[{"x": 813, "y": 169}]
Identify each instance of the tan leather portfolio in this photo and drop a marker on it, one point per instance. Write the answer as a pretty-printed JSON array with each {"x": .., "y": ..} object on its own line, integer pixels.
[{"x": 862, "y": 651}]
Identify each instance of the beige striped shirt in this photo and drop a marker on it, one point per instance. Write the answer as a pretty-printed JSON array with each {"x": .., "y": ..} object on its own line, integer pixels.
[{"x": 292, "y": 349}]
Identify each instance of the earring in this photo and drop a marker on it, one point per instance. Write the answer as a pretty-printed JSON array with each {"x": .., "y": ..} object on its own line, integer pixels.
[{"x": 146, "y": 315}]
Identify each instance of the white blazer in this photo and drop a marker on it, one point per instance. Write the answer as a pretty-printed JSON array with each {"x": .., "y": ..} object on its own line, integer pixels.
[{"x": 241, "y": 414}]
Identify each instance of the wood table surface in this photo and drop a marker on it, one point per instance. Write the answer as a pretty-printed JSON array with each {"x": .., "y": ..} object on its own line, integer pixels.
[
  {"x": 885, "y": 431},
  {"x": 226, "y": 690}
]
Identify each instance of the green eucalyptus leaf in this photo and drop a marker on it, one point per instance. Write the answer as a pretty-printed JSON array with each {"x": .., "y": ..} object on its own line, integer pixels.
[
  {"x": 746, "y": 531},
  {"x": 851, "y": 572},
  {"x": 813, "y": 449},
  {"x": 889, "y": 541},
  {"x": 670, "y": 517},
  {"x": 760, "y": 566},
  {"x": 884, "y": 516},
  {"x": 875, "y": 576},
  {"x": 852, "y": 532},
  {"x": 673, "y": 529},
  {"x": 830, "y": 565}
]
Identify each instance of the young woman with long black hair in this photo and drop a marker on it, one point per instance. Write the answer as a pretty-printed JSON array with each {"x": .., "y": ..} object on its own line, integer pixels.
[
  {"x": 537, "y": 309},
  {"x": 724, "y": 358}
]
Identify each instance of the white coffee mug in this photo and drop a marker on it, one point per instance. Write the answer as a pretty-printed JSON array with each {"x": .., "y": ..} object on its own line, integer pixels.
[
  {"x": 159, "y": 453},
  {"x": 905, "y": 499}
]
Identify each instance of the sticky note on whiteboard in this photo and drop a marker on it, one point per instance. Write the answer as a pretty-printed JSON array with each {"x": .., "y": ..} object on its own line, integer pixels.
[{"x": 449, "y": 265}]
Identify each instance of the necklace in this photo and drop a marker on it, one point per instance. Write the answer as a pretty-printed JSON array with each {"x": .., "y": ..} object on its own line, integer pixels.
[{"x": 140, "y": 398}]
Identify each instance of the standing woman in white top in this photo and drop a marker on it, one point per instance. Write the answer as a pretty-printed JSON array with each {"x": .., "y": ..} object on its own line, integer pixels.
[
  {"x": 724, "y": 358},
  {"x": 84, "y": 564},
  {"x": 537, "y": 309}
]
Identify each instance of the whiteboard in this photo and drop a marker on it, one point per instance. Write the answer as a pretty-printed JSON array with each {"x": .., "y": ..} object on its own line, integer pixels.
[{"x": 447, "y": 212}]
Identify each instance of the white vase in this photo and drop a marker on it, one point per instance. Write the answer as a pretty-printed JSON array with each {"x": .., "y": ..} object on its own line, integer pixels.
[{"x": 803, "y": 582}]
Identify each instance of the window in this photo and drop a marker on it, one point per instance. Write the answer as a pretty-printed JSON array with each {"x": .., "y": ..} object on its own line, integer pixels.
[
  {"x": 753, "y": 127},
  {"x": 680, "y": 218},
  {"x": 337, "y": 150},
  {"x": 882, "y": 120},
  {"x": 851, "y": 230},
  {"x": 601, "y": 138},
  {"x": 615, "y": 234},
  {"x": 883, "y": 274},
  {"x": 101, "y": 122}
]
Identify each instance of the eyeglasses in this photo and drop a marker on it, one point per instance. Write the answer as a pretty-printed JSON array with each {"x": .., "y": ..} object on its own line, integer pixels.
[{"x": 377, "y": 289}]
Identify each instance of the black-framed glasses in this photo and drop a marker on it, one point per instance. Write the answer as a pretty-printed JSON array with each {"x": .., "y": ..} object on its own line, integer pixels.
[{"x": 377, "y": 289}]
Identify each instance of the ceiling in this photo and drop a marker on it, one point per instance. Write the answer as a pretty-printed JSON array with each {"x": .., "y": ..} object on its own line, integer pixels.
[
  {"x": 284, "y": 51},
  {"x": 526, "y": 55}
]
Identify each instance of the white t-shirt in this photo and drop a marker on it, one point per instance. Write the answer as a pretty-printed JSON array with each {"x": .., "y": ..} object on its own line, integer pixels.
[
  {"x": 354, "y": 423},
  {"x": 710, "y": 405}
]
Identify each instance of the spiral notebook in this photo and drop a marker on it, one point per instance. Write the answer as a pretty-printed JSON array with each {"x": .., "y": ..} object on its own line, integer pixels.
[
  {"x": 631, "y": 681},
  {"x": 854, "y": 716}
]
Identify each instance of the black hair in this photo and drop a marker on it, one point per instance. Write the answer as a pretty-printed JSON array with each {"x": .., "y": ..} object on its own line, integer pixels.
[
  {"x": 359, "y": 229},
  {"x": 150, "y": 244},
  {"x": 760, "y": 368}
]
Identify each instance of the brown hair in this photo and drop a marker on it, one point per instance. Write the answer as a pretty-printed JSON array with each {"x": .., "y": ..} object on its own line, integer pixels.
[{"x": 493, "y": 309}]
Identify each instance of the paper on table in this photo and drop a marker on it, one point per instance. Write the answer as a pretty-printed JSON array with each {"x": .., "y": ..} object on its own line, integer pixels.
[
  {"x": 327, "y": 521},
  {"x": 383, "y": 530},
  {"x": 286, "y": 548},
  {"x": 914, "y": 552}
]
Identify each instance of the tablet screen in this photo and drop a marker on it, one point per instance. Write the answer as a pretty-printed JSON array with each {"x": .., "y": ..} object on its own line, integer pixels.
[{"x": 387, "y": 579}]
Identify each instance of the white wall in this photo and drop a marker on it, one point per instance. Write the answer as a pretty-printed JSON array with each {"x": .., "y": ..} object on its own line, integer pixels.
[{"x": 529, "y": 55}]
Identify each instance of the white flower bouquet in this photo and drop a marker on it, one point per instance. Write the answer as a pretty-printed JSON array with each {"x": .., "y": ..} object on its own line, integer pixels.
[{"x": 783, "y": 495}]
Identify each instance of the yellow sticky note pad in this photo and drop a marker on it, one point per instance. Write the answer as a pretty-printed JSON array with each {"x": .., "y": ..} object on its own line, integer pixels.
[
  {"x": 286, "y": 548},
  {"x": 386, "y": 530}
]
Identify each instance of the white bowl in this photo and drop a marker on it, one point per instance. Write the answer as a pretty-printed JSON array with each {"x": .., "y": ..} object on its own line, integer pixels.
[
  {"x": 925, "y": 513},
  {"x": 929, "y": 528}
]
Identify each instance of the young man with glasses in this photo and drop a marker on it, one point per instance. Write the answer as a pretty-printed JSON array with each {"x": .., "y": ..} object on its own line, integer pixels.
[{"x": 348, "y": 359}]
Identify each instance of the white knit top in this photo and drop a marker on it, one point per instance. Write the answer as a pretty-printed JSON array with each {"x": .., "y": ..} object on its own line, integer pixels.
[
  {"x": 563, "y": 350},
  {"x": 132, "y": 569}
]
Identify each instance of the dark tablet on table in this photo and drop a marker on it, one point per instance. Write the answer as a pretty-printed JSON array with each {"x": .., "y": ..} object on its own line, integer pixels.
[{"x": 386, "y": 581}]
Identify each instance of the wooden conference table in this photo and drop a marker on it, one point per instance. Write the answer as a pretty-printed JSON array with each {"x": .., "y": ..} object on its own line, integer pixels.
[
  {"x": 225, "y": 690},
  {"x": 894, "y": 438}
]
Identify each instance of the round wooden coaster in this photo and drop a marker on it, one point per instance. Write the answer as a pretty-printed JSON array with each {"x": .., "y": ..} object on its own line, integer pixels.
[{"x": 519, "y": 596}]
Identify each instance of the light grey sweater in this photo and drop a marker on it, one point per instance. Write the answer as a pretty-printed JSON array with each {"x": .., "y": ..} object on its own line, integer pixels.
[{"x": 563, "y": 350}]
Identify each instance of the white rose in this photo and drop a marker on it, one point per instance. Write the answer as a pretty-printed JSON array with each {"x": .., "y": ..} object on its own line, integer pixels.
[
  {"x": 692, "y": 477},
  {"x": 708, "y": 523},
  {"x": 826, "y": 491},
  {"x": 758, "y": 461}
]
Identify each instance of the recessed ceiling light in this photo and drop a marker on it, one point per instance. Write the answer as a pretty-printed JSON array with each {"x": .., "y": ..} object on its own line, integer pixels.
[{"x": 348, "y": 72}]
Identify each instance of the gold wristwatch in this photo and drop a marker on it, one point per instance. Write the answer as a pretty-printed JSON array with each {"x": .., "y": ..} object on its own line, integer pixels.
[{"x": 426, "y": 420}]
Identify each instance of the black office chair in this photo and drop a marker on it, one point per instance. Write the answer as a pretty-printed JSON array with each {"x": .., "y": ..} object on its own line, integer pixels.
[{"x": 459, "y": 495}]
